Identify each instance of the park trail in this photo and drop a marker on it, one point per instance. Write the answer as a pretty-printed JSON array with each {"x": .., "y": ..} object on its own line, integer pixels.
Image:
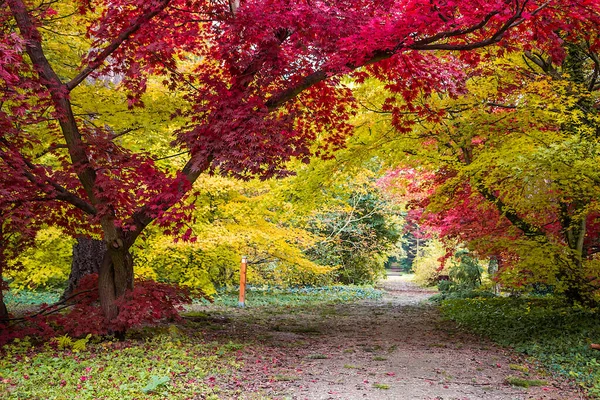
[{"x": 396, "y": 347}]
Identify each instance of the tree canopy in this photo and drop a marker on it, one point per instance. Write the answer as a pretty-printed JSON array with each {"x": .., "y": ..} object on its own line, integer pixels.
[{"x": 251, "y": 85}]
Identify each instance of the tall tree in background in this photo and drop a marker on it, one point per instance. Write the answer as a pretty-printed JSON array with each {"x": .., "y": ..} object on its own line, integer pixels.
[{"x": 261, "y": 79}]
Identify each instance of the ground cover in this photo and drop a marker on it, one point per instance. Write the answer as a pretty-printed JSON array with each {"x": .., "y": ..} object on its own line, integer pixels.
[
  {"x": 260, "y": 296},
  {"x": 175, "y": 361},
  {"x": 298, "y": 344},
  {"x": 553, "y": 332},
  {"x": 169, "y": 363}
]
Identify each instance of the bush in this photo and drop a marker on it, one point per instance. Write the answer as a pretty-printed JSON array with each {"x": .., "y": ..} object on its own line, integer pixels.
[
  {"x": 427, "y": 265},
  {"x": 147, "y": 304},
  {"x": 549, "y": 329}
]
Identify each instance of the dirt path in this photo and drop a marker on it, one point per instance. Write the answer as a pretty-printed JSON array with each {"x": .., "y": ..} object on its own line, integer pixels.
[{"x": 393, "y": 348}]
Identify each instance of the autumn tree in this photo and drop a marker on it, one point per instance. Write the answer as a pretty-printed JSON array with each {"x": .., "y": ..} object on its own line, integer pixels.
[
  {"x": 261, "y": 79},
  {"x": 510, "y": 168}
]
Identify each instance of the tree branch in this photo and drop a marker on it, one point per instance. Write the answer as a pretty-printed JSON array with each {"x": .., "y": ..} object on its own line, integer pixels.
[
  {"x": 60, "y": 193},
  {"x": 283, "y": 97},
  {"x": 116, "y": 43},
  {"x": 528, "y": 229}
]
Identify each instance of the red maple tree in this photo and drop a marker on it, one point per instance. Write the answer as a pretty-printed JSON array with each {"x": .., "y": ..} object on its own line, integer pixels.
[{"x": 266, "y": 83}]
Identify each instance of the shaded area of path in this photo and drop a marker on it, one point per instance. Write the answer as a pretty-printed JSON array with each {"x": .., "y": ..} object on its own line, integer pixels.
[{"x": 397, "y": 347}]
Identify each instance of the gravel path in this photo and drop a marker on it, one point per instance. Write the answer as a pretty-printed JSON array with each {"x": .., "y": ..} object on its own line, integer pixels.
[{"x": 397, "y": 347}]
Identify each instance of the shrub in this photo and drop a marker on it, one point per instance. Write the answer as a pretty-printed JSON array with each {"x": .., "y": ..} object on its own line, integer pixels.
[
  {"x": 427, "y": 265},
  {"x": 549, "y": 329},
  {"x": 147, "y": 304}
]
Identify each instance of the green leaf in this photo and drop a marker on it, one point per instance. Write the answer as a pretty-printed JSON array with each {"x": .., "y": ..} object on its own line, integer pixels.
[{"x": 155, "y": 383}]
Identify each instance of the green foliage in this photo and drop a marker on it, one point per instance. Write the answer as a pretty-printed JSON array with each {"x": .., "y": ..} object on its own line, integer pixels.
[
  {"x": 521, "y": 382},
  {"x": 65, "y": 342},
  {"x": 359, "y": 233},
  {"x": 465, "y": 271},
  {"x": 166, "y": 365},
  {"x": 155, "y": 383},
  {"x": 46, "y": 264},
  {"x": 381, "y": 386},
  {"x": 317, "y": 356},
  {"x": 555, "y": 333},
  {"x": 465, "y": 279},
  {"x": 270, "y": 296},
  {"x": 28, "y": 297},
  {"x": 427, "y": 265}
]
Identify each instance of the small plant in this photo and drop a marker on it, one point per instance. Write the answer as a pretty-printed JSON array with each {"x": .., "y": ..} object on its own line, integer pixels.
[
  {"x": 516, "y": 381},
  {"x": 65, "y": 342},
  {"x": 232, "y": 346},
  {"x": 379, "y": 358},
  {"x": 381, "y": 386},
  {"x": 517, "y": 367},
  {"x": 317, "y": 356},
  {"x": 155, "y": 383}
]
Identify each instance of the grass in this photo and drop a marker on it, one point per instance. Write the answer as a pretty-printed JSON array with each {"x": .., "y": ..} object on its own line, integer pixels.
[
  {"x": 168, "y": 363},
  {"x": 270, "y": 296},
  {"x": 517, "y": 367},
  {"x": 526, "y": 383},
  {"x": 152, "y": 363},
  {"x": 381, "y": 386},
  {"x": 556, "y": 334},
  {"x": 317, "y": 356}
]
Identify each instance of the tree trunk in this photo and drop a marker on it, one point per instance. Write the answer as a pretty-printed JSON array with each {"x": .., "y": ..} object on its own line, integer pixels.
[
  {"x": 87, "y": 258},
  {"x": 3, "y": 309},
  {"x": 115, "y": 279}
]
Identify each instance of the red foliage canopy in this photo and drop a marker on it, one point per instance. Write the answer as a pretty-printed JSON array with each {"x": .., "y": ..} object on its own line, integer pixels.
[{"x": 266, "y": 82}]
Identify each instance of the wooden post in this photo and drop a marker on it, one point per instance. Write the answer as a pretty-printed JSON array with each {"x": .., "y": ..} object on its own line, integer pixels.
[{"x": 242, "y": 302}]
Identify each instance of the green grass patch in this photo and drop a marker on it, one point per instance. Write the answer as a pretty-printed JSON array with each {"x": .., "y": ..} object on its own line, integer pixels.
[
  {"x": 317, "y": 356},
  {"x": 166, "y": 365},
  {"x": 272, "y": 296},
  {"x": 517, "y": 367},
  {"x": 381, "y": 386},
  {"x": 516, "y": 381},
  {"x": 556, "y": 334},
  {"x": 13, "y": 298}
]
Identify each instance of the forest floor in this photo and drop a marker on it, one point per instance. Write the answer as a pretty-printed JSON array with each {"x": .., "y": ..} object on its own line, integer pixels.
[{"x": 396, "y": 347}]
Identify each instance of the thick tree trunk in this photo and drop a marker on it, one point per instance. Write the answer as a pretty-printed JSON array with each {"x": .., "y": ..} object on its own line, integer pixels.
[
  {"x": 87, "y": 258},
  {"x": 115, "y": 279},
  {"x": 3, "y": 309}
]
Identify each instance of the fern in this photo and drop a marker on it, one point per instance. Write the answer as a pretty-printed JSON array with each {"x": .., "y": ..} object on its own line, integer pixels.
[
  {"x": 80, "y": 345},
  {"x": 64, "y": 342}
]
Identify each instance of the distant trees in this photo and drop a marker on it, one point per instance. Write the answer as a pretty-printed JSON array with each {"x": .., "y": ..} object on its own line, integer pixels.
[{"x": 511, "y": 168}]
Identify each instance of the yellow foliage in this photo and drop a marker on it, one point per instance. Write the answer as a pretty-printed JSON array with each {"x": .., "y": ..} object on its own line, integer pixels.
[
  {"x": 47, "y": 263},
  {"x": 427, "y": 265}
]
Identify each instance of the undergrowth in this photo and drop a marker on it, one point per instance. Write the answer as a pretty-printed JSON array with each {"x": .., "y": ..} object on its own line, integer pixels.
[
  {"x": 556, "y": 334},
  {"x": 159, "y": 363},
  {"x": 273, "y": 296}
]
